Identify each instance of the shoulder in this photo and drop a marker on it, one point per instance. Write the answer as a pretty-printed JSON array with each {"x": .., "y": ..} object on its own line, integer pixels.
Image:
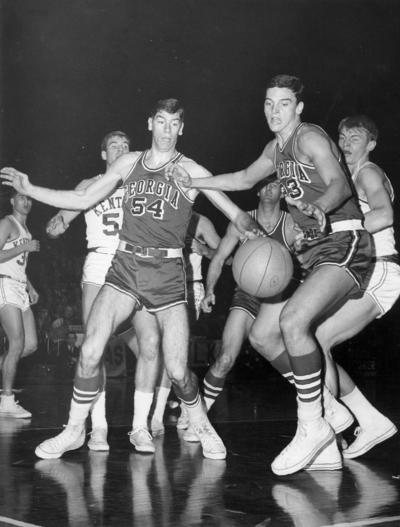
[
  {"x": 8, "y": 226},
  {"x": 195, "y": 170},
  {"x": 312, "y": 139},
  {"x": 269, "y": 149},
  {"x": 371, "y": 177}
]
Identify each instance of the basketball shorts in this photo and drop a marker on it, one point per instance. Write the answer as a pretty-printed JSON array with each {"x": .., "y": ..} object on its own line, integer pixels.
[
  {"x": 13, "y": 293},
  {"x": 351, "y": 250},
  {"x": 245, "y": 302},
  {"x": 384, "y": 285},
  {"x": 95, "y": 268},
  {"x": 153, "y": 282},
  {"x": 195, "y": 294}
]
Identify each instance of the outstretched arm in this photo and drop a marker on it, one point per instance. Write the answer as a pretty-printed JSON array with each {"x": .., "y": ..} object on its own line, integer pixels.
[
  {"x": 242, "y": 221},
  {"x": 71, "y": 199},
  {"x": 225, "y": 249},
  {"x": 60, "y": 222},
  {"x": 206, "y": 238},
  {"x": 241, "y": 180}
]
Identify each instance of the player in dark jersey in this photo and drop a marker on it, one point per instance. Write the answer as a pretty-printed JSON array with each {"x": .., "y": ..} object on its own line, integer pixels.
[
  {"x": 147, "y": 270},
  {"x": 335, "y": 249}
]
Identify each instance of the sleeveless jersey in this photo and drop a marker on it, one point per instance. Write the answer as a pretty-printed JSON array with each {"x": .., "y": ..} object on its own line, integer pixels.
[
  {"x": 16, "y": 267},
  {"x": 104, "y": 221},
  {"x": 192, "y": 259},
  {"x": 278, "y": 232},
  {"x": 302, "y": 181},
  {"x": 384, "y": 241},
  {"x": 156, "y": 212}
]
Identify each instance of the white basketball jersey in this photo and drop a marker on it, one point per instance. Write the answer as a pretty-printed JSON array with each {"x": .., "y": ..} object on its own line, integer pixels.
[
  {"x": 383, "y": 240},
  {"x": 104, "y": 221},
  {"x": 16, "y": 267}
]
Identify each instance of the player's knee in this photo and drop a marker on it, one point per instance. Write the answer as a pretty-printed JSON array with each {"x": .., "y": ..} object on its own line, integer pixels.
[
  {"x": 224, "y": 363},
  {"x": 292, "y": 325},
  {"x": 149, "y": 348},
  {"x": 16, "y": 344},
  {"x": 30, "y": 347},
  {"x": 264, "y": 342}
]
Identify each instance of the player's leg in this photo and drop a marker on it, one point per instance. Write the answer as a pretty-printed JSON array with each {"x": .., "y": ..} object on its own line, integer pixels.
[
  {"x": 98, "y": 435},
  {"x": 175, "y": 345},
  {"x": 324, "y": 288},
  {"x": 110, "y": 309},
  {"x": 147, "y": 369},
  {"x": 344, "y": 324},
  {"x": 31, "y": 340},
  {"x": 11, "y": 320},
  {"x": 236, "y": 330}
]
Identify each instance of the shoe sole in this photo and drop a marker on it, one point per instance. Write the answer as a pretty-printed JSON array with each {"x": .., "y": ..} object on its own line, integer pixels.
[
  {"x": 217, "y": 455},
  {"x": 368, "y": 446},
  {"x": 307, "y": 459},
  {"x": 10, "y": 414},
  {"x": 103, "y": 447},
  {"x": 48, "y": 455},
  {"x": 143, "y": 449}
]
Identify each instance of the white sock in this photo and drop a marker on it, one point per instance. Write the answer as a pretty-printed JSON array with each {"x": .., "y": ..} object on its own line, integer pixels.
[
  {"x": 142, "y": 402},
  {"x": 364, "y": 411},
  {"x": 195, "y": 410},
  {"x": 161, "y": 397},
  {"x": 98, "y": 411},
  {"x": 309, "y": 411},
  {"x": 208, "y": 402},
  {"x": 78, "y": 413}
]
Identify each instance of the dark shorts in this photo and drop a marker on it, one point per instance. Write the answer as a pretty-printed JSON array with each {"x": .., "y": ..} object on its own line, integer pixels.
[
  {"x": 351, "y": 250},
  {"x": 245, "y": 302},
  {"x": 156, "y": 283}
]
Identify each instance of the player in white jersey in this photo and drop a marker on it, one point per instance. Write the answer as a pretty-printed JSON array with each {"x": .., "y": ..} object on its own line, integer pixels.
[
  {"x": 16, "y": 296},
  {"x": 357, "y": 139},
  {"x": 103, "y": 223}
]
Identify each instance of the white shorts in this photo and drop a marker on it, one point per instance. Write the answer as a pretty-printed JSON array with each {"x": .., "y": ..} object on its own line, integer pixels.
[
  {"x": 13, "y": 293},
  {"x": 95, "y": 268},
  {"x": 384, "y": 285}
]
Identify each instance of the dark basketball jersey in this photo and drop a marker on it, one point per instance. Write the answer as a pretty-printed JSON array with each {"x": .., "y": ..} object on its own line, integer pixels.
[
  {"x": 302, "y": 181},
  {"x": 156, "y": 212},
  {"x": 278, "y": 232}
]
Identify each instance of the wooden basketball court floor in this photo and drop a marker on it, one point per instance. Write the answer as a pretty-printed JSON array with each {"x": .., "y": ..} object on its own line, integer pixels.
[{"x": 177, "y": 486}]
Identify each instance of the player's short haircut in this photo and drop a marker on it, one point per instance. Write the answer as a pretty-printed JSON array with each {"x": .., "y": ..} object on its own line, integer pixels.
[
  {"x": 360, "y": 121},
  {"x": 266, "y": 181},
  {"x": 169, "y": 106},
  {"x": 290, "y": 82},
  {"x": 115, "y": 133}
]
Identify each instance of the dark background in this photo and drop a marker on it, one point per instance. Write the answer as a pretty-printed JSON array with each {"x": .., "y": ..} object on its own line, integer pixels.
[{"x": 74, "y": 70}]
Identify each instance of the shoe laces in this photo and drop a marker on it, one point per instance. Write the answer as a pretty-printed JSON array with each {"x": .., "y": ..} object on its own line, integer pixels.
[
  {"x": 209, "y": 437},
  {"x": 63, "y": 437}
]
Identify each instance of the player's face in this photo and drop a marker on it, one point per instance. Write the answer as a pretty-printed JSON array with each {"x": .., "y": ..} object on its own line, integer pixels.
[
  {"x": 166, "y": 128},
  {"x": 271, "y": 192},
  {"x": 281, "y": 109},
  {"x": 21, "y": 204},
  {"x": 355, "y": 144},
  {"x": 116, "y": 147}
]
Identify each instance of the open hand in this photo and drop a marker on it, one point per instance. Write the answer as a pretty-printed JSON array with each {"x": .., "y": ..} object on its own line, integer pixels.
[
  {"x": 309, "y": 209},
  {"x": 16, "y": 179},
  {"x": 179, "y": 174}
]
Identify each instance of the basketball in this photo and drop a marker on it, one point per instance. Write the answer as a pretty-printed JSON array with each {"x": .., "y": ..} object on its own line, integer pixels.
[{"x": 262, "y": 267}]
